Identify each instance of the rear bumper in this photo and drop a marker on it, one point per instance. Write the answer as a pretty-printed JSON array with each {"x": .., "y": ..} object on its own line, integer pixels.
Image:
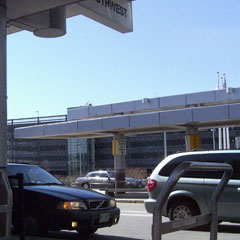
[{"x": 149, "y": 205}]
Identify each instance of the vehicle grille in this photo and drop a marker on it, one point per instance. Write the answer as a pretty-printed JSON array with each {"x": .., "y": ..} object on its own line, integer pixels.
[{"x": 98, "y": 204}]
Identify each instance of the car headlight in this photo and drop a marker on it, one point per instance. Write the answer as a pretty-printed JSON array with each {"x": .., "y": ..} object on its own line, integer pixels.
[
  {"x": 78, "y": 205},
  {"x": 112, "y": 203}
]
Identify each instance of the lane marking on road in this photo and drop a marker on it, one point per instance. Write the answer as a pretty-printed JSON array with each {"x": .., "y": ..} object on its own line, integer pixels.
[{"x": 135, "y": 213}]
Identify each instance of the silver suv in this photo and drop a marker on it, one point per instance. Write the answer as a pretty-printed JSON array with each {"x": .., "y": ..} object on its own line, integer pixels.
[{"x": 192, "y": 194}]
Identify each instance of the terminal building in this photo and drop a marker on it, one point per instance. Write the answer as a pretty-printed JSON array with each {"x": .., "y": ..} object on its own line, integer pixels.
[{"x": 144, "y": 150}]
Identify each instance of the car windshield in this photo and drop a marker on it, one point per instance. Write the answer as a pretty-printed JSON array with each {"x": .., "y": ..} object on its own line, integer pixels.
[{"x": 32, "y": 175}]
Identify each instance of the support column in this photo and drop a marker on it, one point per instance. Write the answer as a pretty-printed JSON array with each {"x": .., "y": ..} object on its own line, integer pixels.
[
  {"x": 192, "y": 139},
  {"x": 5, "y": 196},
  {"x": 119, "y": 152},
  {"x": 165, "y": 144},
  {"x": 3, "y": 86}
]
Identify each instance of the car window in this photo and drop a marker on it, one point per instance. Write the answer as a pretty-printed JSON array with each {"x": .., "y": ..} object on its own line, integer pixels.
[
  {"x": 111, "y": 174},
  {"x": 31, "y": 175},
  {"x": 169, "y": 167},
  {"x": 94, "y": 175},
  {"x": 103, "y": 175},
  {"x": 233, "y": 159}
]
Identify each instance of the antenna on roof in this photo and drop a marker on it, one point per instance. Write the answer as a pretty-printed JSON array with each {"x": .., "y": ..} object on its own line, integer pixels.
[
  {"x": 217, "y": 88},
  {"x": 224, "y": 82}
]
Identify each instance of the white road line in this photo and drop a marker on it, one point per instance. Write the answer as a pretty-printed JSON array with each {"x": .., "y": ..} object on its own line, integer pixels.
[
  {"x": 135, "y": 213},
  {"x": 129, "y": 211}
]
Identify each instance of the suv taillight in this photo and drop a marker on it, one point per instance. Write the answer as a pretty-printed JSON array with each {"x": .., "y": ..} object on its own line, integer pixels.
[{"x": 151, "y": 184}]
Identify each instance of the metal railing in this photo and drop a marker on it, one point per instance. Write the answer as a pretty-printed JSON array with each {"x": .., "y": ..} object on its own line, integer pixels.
[
  {"x": 112, "y": 188},
  {"x": 159, "y": 228}
]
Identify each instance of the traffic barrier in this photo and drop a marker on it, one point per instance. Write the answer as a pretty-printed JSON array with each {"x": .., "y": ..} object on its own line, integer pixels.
[{"x": 159, "y": 228}]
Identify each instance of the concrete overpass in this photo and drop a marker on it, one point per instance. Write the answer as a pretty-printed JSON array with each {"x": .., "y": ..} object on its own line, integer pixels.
[
  {"x": 211, "y": 109},
  {"x": 187, "y": 112}
]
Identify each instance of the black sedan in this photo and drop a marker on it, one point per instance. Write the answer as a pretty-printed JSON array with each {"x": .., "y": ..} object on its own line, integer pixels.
[{"x": 50, "y": 205}]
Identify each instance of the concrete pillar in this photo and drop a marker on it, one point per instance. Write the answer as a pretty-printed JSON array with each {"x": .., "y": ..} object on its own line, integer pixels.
[
  {"x": 3, "y": 86},
  {"x": 192, "y": 139},
  {"x": 5, "y": 190},
  {"x": 119, "y": 152},
  {"x": 53, "y": 23}
]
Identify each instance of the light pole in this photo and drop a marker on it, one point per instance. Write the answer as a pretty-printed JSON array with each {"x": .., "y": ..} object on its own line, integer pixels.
[{"x": 213, "y": 130}]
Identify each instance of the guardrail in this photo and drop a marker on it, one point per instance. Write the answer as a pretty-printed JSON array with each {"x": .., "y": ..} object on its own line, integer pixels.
[
  {"x": 111, "y": 189},
  {"x": 159, "y": 228}
]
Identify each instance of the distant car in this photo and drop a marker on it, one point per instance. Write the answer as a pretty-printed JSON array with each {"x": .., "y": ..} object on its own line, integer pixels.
[
  {"x": 192, "y": 194},
  {"x": 106, "y": 179},
  {"x": 50, "y": 205}
]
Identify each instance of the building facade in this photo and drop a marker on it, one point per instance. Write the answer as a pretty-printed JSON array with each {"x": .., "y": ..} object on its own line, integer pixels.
[{"x": 51, "y": 154}]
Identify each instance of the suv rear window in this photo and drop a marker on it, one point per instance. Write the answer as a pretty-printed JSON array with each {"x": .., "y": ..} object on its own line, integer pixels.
[{"x": 231, "y": 158}]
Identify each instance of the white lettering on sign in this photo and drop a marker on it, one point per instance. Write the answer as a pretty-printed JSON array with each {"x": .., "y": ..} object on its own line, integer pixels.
[
  {"x": 121, "y": 147},
  {"x": 115, "y": 7},
  {"x": 116, "y": 14}
]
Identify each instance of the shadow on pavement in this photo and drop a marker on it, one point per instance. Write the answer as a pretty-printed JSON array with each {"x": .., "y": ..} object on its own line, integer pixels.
[
  {"x": 76, "y": 236},
  {"x": 229, "y": 228},
  {"x": 222, "y": 228},
  {"x": 62, "y": 235}
]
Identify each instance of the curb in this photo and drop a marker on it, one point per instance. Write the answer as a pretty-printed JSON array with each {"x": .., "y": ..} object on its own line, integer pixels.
[{"x": 130, "y": 200}]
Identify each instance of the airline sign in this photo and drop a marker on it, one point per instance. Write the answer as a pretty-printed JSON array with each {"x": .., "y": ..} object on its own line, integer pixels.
[{"x": 116, "y": 14}]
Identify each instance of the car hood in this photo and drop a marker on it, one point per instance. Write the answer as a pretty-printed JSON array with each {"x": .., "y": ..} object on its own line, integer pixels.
[{"x": 66, "y": 193}]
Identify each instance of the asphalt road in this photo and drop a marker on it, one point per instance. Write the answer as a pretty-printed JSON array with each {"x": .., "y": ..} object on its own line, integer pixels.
[{"x": 135, "y": 224}]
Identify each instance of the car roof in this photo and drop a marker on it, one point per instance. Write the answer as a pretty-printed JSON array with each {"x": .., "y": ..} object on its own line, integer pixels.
[
  {"x": 175, "y": 155},
  {"x": 203, "y": 152}
]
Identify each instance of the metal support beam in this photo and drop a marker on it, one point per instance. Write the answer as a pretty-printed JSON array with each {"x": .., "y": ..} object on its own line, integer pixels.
[{"x": 6, "y": 194}]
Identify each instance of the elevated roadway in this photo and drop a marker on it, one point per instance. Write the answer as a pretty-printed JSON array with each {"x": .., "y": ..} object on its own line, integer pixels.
[
  {"x": 187, "y": 112},
  {"x": 202, "y": 110}
]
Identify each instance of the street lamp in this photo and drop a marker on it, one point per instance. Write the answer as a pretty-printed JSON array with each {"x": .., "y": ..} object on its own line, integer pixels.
[{"x": 213, "y": 130}]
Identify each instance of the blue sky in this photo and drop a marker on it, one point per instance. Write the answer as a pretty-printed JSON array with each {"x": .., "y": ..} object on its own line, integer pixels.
[{"x": 176, "y": 47}]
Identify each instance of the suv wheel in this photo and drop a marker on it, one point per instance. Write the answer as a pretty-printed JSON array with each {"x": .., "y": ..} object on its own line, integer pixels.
[{"x": 182, "y": 209}]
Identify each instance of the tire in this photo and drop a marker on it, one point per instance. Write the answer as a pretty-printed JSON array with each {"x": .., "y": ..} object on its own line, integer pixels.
[
  {"x": 31, "y": 226},
  {"x": 34, "y": 227},
  {"x": 183, "y": 209},
  {"x": 85, "y": 185}
]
